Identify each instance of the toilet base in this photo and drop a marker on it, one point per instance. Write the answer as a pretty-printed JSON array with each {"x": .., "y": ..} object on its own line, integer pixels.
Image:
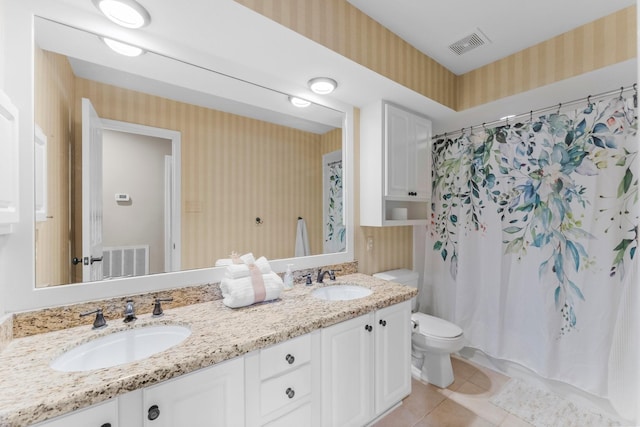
[{"x": 434, "y": 368}]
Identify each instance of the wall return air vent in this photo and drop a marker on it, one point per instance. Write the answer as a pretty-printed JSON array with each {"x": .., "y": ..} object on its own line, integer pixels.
[{"x": 470, "y": 42}]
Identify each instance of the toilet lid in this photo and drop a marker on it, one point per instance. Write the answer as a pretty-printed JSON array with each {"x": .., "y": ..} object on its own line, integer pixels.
[{"x": 434, "y": 326}]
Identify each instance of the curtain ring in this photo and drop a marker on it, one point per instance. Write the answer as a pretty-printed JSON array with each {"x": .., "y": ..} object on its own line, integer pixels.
[
  {"x": 559, "y": 107},
  {"x": 484, "y": 127},
  {"x": 588, "y": 101},
  {"x": 531, "y": 116},
  {"x": 621, "y": 90}
]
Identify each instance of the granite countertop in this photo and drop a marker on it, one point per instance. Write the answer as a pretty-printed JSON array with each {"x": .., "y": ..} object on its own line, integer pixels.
[{"x": 31, "y": 391}]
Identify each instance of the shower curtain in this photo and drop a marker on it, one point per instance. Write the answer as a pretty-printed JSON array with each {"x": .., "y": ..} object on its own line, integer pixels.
[{"x": 534, "y": 231}]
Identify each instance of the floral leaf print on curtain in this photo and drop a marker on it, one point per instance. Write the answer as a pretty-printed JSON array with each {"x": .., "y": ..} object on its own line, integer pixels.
[{"x": 540, "y": 177}]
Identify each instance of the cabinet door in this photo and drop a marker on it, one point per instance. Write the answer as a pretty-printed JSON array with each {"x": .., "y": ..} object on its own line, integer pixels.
[
  {"x": 398, "y": 147},
  {"x": 209, "y": 397},
  {"x": 392, "y": 355},
  {"x": 420, "y": 160},
  {"x": 100, "y": 415},
  {"x": 347, "y": 383}
]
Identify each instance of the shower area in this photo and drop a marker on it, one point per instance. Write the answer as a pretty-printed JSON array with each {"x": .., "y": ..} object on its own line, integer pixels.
[{"x": 531, "y": 247}]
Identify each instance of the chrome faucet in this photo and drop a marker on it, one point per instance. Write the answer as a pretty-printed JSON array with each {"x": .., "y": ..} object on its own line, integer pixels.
[{"x": 129, "y": 312}]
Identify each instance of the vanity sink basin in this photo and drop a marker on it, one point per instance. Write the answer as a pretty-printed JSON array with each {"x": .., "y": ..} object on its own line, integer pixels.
[
  {"x": 341, "y": 292},
  {"x": 120, "y": 347}
]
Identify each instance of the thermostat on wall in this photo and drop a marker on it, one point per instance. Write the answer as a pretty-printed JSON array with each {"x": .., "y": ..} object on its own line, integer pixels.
[{"x": 122, "y": 197}]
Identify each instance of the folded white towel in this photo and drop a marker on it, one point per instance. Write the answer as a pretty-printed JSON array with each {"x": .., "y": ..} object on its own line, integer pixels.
[
  {"x": 245, "y": 259},
  {"x": 240, "y": 292},
  {"x": 236, "y": 271}
]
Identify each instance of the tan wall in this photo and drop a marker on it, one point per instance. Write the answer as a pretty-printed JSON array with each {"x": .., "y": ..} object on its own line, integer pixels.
[
  {"x": 54, "y": 110},
  {"x": 342, "y": 28},
  {"x": 234, "y": 169},
  {"x": 595, "y": 45}
]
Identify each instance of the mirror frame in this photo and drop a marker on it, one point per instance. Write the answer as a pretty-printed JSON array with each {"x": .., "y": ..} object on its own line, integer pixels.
[{"x": 19, "y": 292}]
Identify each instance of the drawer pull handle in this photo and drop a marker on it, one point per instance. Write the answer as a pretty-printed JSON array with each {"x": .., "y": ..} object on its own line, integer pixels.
[
  {"x": 290, "y": 392},
  {"x": 290, "y": 359},
  {"x": 154, "y": 412},
  {"x": 368, "y": 328},
  {"x": 383, "y": 322}
]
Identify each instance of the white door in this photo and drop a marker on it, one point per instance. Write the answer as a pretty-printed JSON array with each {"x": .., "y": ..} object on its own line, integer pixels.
[
  {"x": 392, "y": 355},
  {"x": 91, "y": 193},
  {"x": 210, "y": 397},
  {"x": 347, "y": 371}
]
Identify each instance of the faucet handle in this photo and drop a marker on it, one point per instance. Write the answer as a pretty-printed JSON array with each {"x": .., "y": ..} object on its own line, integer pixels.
[
  {"x": 99, "y": 322},
  {"x": 157, "y": 308},
  {"x": 332, "y": 273},
  {"x": 308, "y": 280}
]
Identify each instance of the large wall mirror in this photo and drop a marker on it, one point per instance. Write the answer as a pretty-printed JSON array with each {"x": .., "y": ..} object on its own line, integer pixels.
[{"x": 183, "y": 176}]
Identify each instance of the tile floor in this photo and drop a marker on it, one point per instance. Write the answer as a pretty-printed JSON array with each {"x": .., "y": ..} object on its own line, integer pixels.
[{"x": 465, "y": 403}]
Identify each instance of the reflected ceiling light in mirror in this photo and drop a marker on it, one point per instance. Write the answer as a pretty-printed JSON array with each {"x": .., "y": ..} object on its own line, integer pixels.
[
  {"x": 322, "y": 85},
  {"x": 127, "y": 13},
  {"x": 122, "y": 48},
  {"x": 299, "y": 102}
]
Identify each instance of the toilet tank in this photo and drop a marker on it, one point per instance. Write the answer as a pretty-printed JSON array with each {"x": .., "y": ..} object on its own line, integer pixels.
[{"x": 402, "y": 275}]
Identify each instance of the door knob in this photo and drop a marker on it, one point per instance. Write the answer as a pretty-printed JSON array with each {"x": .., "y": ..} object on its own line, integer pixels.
[
  {"x": 95, "y": 260},
  {"x": 154, "y": 412},
  {"x": 76, "y": 260}
]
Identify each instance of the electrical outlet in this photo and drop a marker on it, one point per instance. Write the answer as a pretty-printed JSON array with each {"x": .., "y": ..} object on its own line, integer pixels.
[{"x": 369, "y": 243}]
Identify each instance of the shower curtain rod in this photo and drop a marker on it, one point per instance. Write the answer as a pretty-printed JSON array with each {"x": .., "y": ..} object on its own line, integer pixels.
[{"x": 557, "y": 107}]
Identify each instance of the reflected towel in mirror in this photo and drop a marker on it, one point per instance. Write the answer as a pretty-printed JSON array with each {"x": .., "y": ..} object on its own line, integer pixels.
[{"x": 302, "y": 239}]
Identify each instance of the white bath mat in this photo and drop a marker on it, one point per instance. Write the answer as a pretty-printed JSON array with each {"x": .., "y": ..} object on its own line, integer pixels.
[{"x": 545, "y": 409}]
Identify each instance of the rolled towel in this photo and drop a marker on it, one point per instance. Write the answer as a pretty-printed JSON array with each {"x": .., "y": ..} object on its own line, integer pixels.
[
  {"x": 244, "y": 259},
  {"x": 236, "y": 271},
  {"x": 242, "y": 292}
]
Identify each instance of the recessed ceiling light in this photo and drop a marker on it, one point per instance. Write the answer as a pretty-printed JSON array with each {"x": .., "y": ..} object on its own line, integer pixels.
[
  {"x": 322, "y": 85},
  {"x": 122, "y": 48},
  {"x": 299, "y": 102},
  {"x": 127, "y": 13}
]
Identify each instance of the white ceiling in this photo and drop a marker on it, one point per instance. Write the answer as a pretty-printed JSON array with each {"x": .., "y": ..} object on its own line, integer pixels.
[{"x": 510, "y": 25}]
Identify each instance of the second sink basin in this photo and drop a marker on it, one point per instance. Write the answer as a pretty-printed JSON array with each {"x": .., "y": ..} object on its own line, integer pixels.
[
  {"x": 341, "y": 292},
  {"x": 120, "y": 347}
]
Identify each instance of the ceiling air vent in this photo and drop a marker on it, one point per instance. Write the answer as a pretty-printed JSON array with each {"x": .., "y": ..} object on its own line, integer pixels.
[{"x": 468, "y": 43}]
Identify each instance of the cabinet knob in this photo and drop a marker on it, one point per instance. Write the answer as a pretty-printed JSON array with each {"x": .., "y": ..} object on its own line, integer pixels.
[
  {"x": 383, "y": 322},
  {"x": 290, "y": 359},
  {"x": 154, "y": 412},
  {"x": 290, "y": 393},
  {"x": 368, "y": 328},
  {"x": 106, "y": 425}
]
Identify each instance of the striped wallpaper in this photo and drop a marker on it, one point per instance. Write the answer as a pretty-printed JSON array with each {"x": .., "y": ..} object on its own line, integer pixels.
[
  {"x": 54, "y": 86},
  {"x": 606, "y": 41}
]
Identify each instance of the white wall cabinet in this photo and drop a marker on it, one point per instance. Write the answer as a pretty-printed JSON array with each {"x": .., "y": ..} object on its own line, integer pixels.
[
  {"x": 362, "y": 375},
  {"x": 9, "y": 213},
  {"x": 210, "y": 397},
  {"x": 100, "y": 415},
  {"x": 395, "y": 166}
]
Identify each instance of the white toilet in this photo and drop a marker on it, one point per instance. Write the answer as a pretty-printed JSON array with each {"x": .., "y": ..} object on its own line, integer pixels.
[{"x": 432, "y": 339}]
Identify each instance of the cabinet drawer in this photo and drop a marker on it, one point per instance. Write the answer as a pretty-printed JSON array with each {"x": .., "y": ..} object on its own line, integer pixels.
[
  {"x": 285, "y": 356},
  {"x": 281, "y": 391},
  {"x": 298, "y": 417}
]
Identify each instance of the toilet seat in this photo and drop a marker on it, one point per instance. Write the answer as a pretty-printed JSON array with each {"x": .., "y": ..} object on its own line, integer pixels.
[{"x": 435, "y": 327}]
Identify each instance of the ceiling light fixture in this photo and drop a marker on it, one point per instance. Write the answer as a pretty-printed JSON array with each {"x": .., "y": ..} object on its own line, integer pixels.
[
  {"x": 299, "y": 102},
  {"x": 122, "y": 48},
  {"x": 127, "y": 13},
  {"x": 322, "y": 85}
]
